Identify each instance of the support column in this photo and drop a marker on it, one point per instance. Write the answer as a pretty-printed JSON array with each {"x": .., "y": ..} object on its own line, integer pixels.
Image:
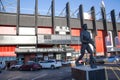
[
  {"x": 53, "y": 15},
  {"x": 81, "y": 15},
  {"x": 68, "y": 15},
  {"x": 94, "y": 30},
  {"x": 18, "y": 17},
  {"x": 103, "y": 12},
  {"x": 36, "y": 21},
  {"x": 115, "y": 30}
]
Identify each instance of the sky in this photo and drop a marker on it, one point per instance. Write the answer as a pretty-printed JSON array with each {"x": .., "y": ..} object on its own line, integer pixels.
[{"x": 27, "y": 6}]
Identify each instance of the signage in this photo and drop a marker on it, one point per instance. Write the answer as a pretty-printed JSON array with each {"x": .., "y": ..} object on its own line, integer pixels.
[
  {"x": 47, "y": 50},
  {"x": 55, "y": 39},
  {"x": 20, "y": 50},
  {"x": 113, "y": 49},
  {"x": 4, "y": 40},
  {"x": 108, "y": 40},
  {"x": 117, "y": 41},
  {"x": 62, "y": 30}
]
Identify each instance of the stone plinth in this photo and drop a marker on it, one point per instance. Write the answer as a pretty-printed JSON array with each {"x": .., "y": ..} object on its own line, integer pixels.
[{"x": 88, "y": 73}]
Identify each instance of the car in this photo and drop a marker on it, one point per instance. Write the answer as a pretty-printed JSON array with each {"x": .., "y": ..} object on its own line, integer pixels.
[
  {"x": 0, "y": 70},
  {"x": 15, "y": 66},
  {"x": 65, "y": 62},
  {"x": 100, "y": 59},
  {"x": 50, "y": 64},
  {"x": 2, "y": 65},
  {"x": 97, "y": 60},
  {"x": 113, "y": 59},
  {"x": 30, "y": 65}
]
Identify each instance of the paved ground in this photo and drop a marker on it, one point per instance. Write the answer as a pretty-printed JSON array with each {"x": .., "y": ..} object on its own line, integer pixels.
[
  {"x": 64, "y": 73},
  {"x": 113, "y": 71}
]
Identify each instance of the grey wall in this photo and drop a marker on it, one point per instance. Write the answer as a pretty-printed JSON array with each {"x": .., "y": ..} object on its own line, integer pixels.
[{"x": 29, "y": 20}]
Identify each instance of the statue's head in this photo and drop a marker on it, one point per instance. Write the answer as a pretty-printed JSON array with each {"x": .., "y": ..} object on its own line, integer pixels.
[{"x": 84, "y": 26}]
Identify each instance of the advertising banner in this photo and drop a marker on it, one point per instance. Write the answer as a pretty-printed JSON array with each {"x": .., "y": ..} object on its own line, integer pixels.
[{"x": 108, "y": 40}]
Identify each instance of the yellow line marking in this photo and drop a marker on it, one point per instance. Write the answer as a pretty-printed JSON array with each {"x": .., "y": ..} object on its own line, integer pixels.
[
  {"x": 39, "y": 76},
  {"x": 115, "y": 74},
  {"x": 106, "y": 75},
  {"x": 118, "y": 68}
]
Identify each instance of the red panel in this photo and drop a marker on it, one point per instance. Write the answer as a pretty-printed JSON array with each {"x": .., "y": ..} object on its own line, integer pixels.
[
  {"x": 99, "y": 42},
  {"x": 44, "y": 30},
  {"x": 7, "y": 30},
  {"x": 75, "y": 32},
  {"x": 7, "y": 50},
  {"x": 0, "y": 49},
  {"x": 76, "y": 47}
]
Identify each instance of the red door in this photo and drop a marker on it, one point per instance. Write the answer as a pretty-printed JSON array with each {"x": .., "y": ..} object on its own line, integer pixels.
[{"x": 99, "y": 43}]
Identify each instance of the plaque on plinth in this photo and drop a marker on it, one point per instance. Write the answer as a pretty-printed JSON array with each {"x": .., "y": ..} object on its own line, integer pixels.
[{"x": 88, "y": 73}]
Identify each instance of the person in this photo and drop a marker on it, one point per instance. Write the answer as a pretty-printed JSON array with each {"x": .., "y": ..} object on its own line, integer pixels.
[
  {"x": 86, "y": 40},
  {"x": 8, "y": 65}
]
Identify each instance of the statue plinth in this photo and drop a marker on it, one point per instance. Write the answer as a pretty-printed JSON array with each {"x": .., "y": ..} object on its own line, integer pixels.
[{"x": 88, "y": 73}]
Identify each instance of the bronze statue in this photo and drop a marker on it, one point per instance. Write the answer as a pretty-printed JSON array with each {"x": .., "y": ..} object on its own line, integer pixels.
[{"x": 86, "y": 40}]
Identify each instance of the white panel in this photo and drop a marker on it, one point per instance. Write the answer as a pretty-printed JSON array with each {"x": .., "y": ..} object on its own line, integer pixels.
[
  {"x": 17, "y": 39},
  {"x": 69, "y": 54},
  {"x": 41, "y": 39},
  {"x": 27, "y": 47},
  {"x": 26, "y": 31},
  {"x": 62, "y": 32}
]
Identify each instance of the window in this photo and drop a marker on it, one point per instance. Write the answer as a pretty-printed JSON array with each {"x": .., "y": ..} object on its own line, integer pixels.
[{"x": 47, "y": 36}]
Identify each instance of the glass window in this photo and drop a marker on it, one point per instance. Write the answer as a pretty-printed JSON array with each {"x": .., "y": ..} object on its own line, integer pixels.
[
  {"x": 47, "y": 36},
  {"x": 0, "y": 59}
]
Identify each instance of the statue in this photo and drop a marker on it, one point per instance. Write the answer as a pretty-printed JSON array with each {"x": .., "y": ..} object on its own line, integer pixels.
[{"x": 86, "y": 40}]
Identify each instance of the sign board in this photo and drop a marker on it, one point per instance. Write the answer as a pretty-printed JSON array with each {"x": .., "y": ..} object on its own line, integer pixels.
[
  {"x": 108, "y": 40},
  {"x": 54, "y": 39},
  {"x": 34, "y": 50},
  {"x": 4, "y": 40}
]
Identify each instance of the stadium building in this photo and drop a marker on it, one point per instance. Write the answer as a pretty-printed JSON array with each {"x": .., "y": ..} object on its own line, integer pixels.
[{"x": 39, "y": 37}]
